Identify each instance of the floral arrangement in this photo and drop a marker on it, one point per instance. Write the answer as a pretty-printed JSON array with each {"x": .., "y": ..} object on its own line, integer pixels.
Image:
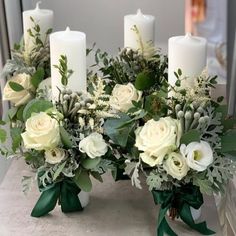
[
  {"x": 175, "y": 136},
  {"x": 62, "y": 141}
]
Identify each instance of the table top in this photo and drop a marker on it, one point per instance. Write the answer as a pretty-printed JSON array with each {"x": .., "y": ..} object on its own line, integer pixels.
[{"x": 115, "y": 209}]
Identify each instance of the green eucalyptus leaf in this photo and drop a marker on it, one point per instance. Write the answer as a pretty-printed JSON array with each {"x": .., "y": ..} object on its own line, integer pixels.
[
  {"x": 10, "y": 114},
  {"x": 36, "y": 106},
  {"x": 65, "y": 138},
  {"x": 89, "y": 163},
  {"x": 37, "y": 77},
  {"x": 16, "y": 138},
  {"x": 15, "y": 86},
  {"x": 119, "y": 129},
  {"x": 145, "y": 80},
  {"x": 228, "y": 123},
  {"x": 191, "y": 136},
  {"x": 228, "y": 141},
  {"x": 3, "y": 135},
  {"x": 82, "y": 180}
]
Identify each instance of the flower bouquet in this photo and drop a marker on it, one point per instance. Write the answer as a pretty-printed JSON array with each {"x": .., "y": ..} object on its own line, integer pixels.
[
  {"x": 176, "y": 136},
  {"x": 62, "y": 141}
]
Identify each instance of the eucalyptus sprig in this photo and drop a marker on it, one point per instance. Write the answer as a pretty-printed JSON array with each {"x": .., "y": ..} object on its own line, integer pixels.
[{"x": 63, "y": 70}]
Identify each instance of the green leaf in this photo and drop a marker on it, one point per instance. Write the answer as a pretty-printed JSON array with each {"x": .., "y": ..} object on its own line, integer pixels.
[
  {"x": 179, "y": 72},
  {"x": 19, "y": 114},
  {"x": 228, "y": 141},
  {"x": 144, "y": 81},
  {"x": 10, "y": 114},
  {"x": 118, "y": 129},
  {"x": 65, "y": 138},
  {"x": 228, "y": 123},
  {"x": 37, "y": 77},
  {"x": 2, "y": 122},
  {"x": 16, "y": 138},
  {"x": 97, "y": 176},
  {"x": 36, "y": 106},
  {"x": 15, "y": 86},
  {"x": 90, "y": 163},
  {"x": 191, "y": 136},
  {"x": 82, "y": 180},
  {"x": 59, "y": 170},
  {"x": 3, "y": 135}
]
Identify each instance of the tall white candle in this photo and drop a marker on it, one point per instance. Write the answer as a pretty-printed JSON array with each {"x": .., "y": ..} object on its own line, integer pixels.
[
  {"x": 187, "y": 53},
  {"x": 145, "y": 25},
  {"x": 42, "y": 17},
  {"x": 232, "y": 89},
  {"x": 73, "y": 45}
]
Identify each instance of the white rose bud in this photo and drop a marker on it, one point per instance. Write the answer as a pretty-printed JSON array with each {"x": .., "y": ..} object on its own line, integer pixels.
[
  {"x": 176, "y": 166},
  {"x": 42, "y": 132},
  {"x": 20, "y": 97},
  {"x": 93, "y": 145},
  {"x": 199, "y": 155},
  {"x": 123, "y": 95},
  {"x": 54, "y": 156},
  {"x": 157, "y": 139}
]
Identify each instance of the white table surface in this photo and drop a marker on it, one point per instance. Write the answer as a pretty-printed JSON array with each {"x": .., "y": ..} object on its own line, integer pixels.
[{"x": 115, "y": 209}]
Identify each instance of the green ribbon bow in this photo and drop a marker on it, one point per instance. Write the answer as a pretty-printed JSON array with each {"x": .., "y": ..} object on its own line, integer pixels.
[
  {"x": 65, "y": 192},
  {"x": 181, "y": 199}
]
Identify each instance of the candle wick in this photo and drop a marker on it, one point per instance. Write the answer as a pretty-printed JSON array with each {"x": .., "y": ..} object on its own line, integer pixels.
[
  {"x": 188, "y": 35},
  {"x": 37, "y": 5},
  {"x": 67, "y": 28},
  {"x": 139, "y": 12}
]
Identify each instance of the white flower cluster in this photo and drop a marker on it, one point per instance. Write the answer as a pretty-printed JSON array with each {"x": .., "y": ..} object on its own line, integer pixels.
[{"x": 160, "y": 140}]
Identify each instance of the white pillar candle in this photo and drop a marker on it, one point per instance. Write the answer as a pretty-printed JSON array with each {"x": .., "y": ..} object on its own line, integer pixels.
[
  {"x": 73, "y": 45},
  {"x": 232, "y": 88},
  {"x": 42, "y": 17},
  {"x": 145, "y": 25},
  {"x": 187, "y": 53}
]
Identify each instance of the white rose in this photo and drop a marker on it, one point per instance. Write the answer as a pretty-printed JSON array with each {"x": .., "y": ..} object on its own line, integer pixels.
[
  {"x": 54, "y": 156},
  {"x": 123, "y": 95},
  {"x": 93, "y": 145},
  {"x": 42, "y": 132},
  {"x": 21, "y": 97},
  {"x": 158, "y": 138},
  {"x": 176, "y": 166},
  {"x": 199, "y": 155}
]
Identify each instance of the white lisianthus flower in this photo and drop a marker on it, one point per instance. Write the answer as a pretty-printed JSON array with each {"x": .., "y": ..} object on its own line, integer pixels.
[
  {"x": 93, "y": 145},
  {"x": 199, "y": 155},
  {"x": 20, "y": 97},
  {"x": 157, "y": 139},
  {"x": 54, "y": 156},
  {"x": 42, "y": 132},
  {"x": 123, "y": 95},
  {"x": 176, "y": 165}
]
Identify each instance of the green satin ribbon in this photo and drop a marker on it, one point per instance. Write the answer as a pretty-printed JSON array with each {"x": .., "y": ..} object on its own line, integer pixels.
[
  {"x": 181, "y": 199},
  {"x": 65, "y": 192}
]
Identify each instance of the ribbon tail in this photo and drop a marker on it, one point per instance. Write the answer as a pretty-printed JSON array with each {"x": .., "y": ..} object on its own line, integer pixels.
[
  {"x": 186, "y": 216},
  {"x": 47, "y": 201},
  {"x": 69, "y": 197},
  {"x": 164, "y": 228}
]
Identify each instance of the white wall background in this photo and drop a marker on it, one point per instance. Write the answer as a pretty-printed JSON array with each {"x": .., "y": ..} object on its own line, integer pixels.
[{"x": 102, "y": 20}]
